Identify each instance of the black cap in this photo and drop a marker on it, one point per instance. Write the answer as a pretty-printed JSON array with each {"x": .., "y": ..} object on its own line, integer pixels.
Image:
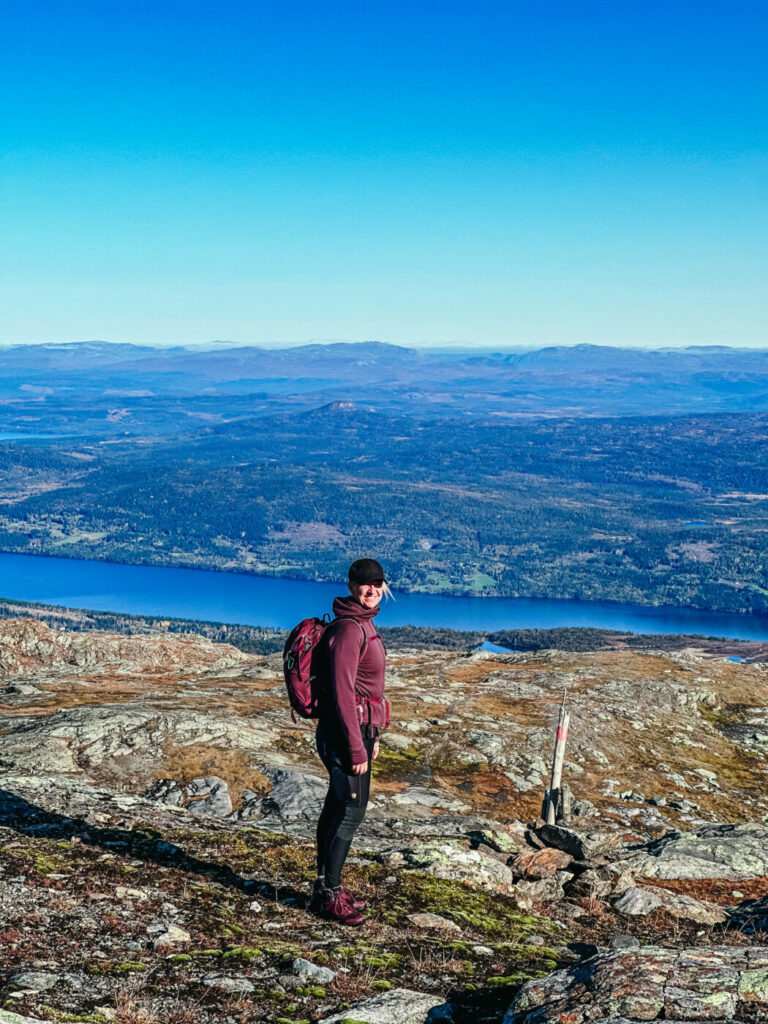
[{"x": 365, "y": 570}]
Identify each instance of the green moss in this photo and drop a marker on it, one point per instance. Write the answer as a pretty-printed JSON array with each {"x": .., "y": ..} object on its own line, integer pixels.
[
  {"x": 242, "y": 953},
  {"x": 62, "y": 1017},
  {"x": 346, "y": 950},
  {"x": 128, "y": 966},
  {"x": 484, "y": 912},
  {"x": 383, "y": 960},
  {"x": 231, "y": 931},
  {"x": 382, "y": 985},
  {"x": 34, "y": 858},
  {"x": 397, "y": 762},
  {"x": 284, "y": 950},
  {"x": 179, "y": 958}
]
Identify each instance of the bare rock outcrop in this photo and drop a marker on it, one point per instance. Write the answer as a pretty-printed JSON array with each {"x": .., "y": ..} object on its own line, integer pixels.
[
  {"x": 649, "y": 983},
  {"x": 81, "y": 738},
  {"x": 28, "y": 646},
  {"x": 712, "y": 851},
  {"x": 400, "y": 1006}
]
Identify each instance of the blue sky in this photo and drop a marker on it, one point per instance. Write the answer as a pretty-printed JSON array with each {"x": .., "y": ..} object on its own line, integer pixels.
[{"x": 523, "y": 172}]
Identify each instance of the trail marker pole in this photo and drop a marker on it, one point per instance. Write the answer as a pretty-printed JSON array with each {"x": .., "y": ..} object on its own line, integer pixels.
[{"x": 553, "y": 793}]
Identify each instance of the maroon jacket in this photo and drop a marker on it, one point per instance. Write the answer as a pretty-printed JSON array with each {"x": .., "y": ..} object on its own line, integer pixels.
[{"x": 356, "y": 675}]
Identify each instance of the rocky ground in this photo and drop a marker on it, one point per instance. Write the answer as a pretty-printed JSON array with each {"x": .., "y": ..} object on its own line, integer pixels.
[{"x": 157, "y": 806}]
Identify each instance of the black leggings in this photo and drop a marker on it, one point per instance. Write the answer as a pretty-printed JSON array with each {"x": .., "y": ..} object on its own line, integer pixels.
[{"x": 345, "y": 802}]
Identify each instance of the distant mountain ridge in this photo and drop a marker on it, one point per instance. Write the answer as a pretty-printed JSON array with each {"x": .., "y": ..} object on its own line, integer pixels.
[{"x": 582, "y": 380}]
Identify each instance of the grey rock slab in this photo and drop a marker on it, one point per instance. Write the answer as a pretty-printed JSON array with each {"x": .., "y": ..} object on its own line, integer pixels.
[
  {"x": 7, "y": 1017},
  {"x": 171, "y": 936},
  {"x": 637, "y": 902},
  {"x": 64, "y": 741},
  {"x": 209, "y": 797},
  {"x": 545, "y": 890},
  {"x": 429, "y": 798},
  {"x": 711, "y": 851},
  {"x": 580, "y": 845},
  {"x": 649, "y": 983},
  {"x": 294, "y": 794},
  {"x": 507, "y": 838},
  {"x": 234, "y": 986},
  {"x": 398, "y": 1006},
  {"x": 306, "y": 970},
  {"x": 452, "y": 860},
  {"x": 433, "y": 922},
  {"x": 34, "y": 981}
]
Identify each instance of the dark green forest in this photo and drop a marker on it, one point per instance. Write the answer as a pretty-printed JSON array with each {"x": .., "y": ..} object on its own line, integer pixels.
[{"x": 667, "y": 510}]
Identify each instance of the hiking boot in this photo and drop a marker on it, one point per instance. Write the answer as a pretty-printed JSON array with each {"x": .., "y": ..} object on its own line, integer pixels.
[
  {"x": 316, "y": 901},
  {"x": 356, "y": 903},
  {"x": 337, "y": 906}
]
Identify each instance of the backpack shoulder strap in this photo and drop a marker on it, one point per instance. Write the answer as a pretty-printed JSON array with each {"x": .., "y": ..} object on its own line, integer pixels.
[{"x": 333, "y": 622}]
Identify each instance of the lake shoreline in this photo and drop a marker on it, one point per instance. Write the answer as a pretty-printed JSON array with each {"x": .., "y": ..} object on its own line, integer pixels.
[
  {"x": 279, "y": 602},
  {"x": 448, "y": 594},
  {"x": 263, "y": 640}
]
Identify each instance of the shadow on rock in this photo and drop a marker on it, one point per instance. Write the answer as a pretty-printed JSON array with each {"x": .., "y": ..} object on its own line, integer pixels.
[{"x": 28, "y": 819}]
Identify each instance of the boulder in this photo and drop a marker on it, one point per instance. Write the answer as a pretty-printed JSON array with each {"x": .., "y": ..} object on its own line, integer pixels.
[
  {"x": 209, "y": 797},
  {"x": 580, "y": 845},
  {"x": 6, "y": 1017},
  {"x": 34, "y": 981},
  {"x": 545, "y": 890},
  {"x": 232, "y": 986},
  {"x": 294, "y": 795},
  {"x": 433, "y": 922},
  {"x": 637, "y": 901},
  {"x": 650, "y": 983},
  {"x": 538, "y": 864},
  {"x": 398, "y": 1006},
  {"x": 453, "y": 860},
  {"x": 171, "y": 936},
  {"x": 305, "y": 971},
  {"x": 750, "y": 916},
  {"x": 711, "y": 851},
  {"x": 593, "y": 883}
]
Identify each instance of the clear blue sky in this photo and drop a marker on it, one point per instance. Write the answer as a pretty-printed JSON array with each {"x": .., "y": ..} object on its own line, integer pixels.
[{"x": 521, "y": 172}]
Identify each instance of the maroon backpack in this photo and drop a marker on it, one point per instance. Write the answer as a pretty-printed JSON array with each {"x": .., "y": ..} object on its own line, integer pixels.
[{"x": 305, "y": 667}]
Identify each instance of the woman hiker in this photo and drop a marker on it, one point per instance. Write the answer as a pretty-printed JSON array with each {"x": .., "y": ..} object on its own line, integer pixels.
[{"x": 351, "y": 715}]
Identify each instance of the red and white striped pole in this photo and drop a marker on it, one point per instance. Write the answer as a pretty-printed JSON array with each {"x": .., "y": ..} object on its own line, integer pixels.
[{"x": 553, "y": 794}]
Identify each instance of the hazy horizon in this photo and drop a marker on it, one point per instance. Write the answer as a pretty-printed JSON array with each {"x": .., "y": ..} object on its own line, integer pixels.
[
  {"x": 455, "y": 346},
  {"x": 512, "y": 174}
]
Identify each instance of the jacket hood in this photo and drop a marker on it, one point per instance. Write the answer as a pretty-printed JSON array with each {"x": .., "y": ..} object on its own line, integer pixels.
[{"x": 348, "y": 608}]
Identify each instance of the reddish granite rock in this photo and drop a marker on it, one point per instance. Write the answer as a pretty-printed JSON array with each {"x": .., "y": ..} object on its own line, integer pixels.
[{"x": 538, "y": 864}]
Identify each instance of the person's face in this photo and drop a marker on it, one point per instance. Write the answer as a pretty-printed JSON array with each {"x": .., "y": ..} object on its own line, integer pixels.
[{"x": 367, "y": 594}]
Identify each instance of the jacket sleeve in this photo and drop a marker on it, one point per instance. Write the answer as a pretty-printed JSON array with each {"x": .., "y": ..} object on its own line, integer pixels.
[{"x": 345, "y": 646}]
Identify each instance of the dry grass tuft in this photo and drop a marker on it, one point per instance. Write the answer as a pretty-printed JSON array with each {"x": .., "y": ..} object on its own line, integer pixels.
[{"x": 183, "y": 764}]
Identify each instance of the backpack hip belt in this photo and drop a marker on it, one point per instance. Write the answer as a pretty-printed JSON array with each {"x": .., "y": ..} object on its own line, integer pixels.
[{"x": 372, "y": 712}]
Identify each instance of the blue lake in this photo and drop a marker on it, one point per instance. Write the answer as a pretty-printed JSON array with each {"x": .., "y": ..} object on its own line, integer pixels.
[{"x": 261, "y": 601}]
